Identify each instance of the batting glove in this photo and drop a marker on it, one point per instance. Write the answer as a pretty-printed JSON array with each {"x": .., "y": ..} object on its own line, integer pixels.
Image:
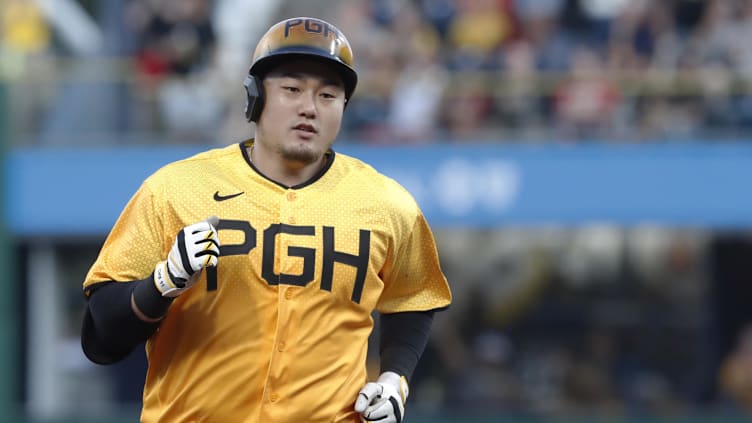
[
  {"x": 383, "y": 401},
  {"x": 196, "y": 246}
]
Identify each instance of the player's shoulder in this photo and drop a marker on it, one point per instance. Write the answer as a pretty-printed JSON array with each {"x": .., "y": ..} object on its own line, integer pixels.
[
  {"x": 373, "y": 182},
  {"x": 201, "y": 162},
  {"x": 211, "y": 158}
]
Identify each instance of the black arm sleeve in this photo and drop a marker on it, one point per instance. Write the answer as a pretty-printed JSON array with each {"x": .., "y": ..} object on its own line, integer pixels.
[
  {"x": 110, "y": 329},
  {"x": 403, "y": 338}
]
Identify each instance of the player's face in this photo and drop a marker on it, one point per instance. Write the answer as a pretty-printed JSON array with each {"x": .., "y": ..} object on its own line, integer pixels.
[{"x": 304, "y": 101}]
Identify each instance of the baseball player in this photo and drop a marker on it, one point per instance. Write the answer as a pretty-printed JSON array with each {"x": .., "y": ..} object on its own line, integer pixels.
[{"x": 252, "y": 271}]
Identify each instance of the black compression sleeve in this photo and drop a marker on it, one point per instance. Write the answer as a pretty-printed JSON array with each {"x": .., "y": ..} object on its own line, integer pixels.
[
  {"x": 403, "y": 338},
  {"x": 149, "y": 300},
  {"x": 110, "y": 329}
]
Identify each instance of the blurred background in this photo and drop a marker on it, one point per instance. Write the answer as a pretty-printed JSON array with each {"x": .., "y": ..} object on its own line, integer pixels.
[{"x": 584, "y": 164}]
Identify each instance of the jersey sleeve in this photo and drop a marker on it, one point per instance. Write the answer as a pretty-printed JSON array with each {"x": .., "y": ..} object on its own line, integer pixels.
[
  {"x": 134, "y": 245},
  {"x": 415, "y": 282}
]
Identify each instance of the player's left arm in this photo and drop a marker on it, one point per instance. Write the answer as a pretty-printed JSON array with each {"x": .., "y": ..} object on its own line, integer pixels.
[
  {"x": 403, "y": 339},
  {"x": 414, "y": 288}
]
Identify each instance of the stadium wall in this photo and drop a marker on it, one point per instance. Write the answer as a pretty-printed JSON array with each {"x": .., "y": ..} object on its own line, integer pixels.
[{"x": 64, "y": 192}]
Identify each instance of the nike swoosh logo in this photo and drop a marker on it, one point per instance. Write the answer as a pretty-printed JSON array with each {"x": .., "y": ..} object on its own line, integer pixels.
[{"x": 218, "y": 197}]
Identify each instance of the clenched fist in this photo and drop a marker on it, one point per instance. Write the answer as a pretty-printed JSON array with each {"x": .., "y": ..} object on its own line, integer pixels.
[{"x": 196, "y": 247}]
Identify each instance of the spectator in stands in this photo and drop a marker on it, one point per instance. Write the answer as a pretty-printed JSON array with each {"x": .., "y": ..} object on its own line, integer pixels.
[
  {"x": 478, "y": 30},
  {"x": 586, "y": 102},
  {"x": 418, "y": 90},
  {"x": 24, "y": 32},
  {"x": 25, "y": 47},
  {"x": 518, "y": 108},
  {"x": 539, "y": 24},
  {"x": 372, "y": 36},
  {"x": 175, "y": 57}
]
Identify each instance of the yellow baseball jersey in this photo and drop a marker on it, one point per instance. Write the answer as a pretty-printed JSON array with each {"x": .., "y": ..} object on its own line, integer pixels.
[{"x": 278, "y": 331}]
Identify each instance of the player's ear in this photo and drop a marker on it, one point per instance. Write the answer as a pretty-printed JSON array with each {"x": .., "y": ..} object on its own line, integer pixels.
[{"x": 254, "y": 100}]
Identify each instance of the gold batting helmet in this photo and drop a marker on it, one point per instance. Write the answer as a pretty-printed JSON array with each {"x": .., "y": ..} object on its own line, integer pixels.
[{"x": 298, "y": 37}]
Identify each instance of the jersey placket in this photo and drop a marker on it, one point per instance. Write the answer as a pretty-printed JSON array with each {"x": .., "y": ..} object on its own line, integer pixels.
[{"x": 285, "y": 297}]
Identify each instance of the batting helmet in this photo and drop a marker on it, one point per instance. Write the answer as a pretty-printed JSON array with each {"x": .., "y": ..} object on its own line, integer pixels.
[{"x": 298, "y": 37}]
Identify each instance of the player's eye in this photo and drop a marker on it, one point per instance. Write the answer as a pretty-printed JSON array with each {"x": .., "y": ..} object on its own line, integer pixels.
[{"x": 291, "y": 88}]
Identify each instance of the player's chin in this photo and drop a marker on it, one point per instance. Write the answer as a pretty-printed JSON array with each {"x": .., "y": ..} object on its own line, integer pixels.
[{"x": 303, "y": 153}]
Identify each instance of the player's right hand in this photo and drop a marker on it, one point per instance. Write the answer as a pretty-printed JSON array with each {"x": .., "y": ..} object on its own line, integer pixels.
[{"x": 196, "y": 246}]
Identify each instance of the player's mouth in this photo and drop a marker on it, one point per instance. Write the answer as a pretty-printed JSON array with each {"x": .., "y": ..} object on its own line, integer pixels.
[{"x": 305, "y": 130}]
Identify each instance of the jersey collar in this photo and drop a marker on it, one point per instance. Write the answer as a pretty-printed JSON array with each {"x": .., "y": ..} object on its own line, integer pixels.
[{"x": 244, "y": 146}]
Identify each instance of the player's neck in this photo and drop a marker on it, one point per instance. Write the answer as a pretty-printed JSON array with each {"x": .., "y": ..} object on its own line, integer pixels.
[{"x": 286, "y": 172}]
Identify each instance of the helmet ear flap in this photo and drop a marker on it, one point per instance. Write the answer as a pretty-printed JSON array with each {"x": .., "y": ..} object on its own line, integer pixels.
[{"x": 254, "y": 100}]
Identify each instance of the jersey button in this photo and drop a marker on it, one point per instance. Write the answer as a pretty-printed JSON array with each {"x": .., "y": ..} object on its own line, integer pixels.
[
  {"x": 288, "y": 293},
  {"x": 274, "y": 397},
  {"x": 281, "y": 346},
  {"x": 291, "y": 219},
  {"x": 291, "y": 196}
]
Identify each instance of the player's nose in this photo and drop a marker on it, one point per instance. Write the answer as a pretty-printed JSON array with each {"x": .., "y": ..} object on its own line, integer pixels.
[{"x": 307, "y": 105}]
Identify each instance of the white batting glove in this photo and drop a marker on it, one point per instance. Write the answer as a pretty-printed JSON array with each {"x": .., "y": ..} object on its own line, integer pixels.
[
  {"x": 196, "y": 246},
  {"x": 383, "y": 401}
]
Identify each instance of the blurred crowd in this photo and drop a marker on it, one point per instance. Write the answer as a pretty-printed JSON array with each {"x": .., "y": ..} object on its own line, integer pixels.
[
  {"x": 599, "y": 321},
  {"x": 439, "y": 70},
  {"x": 519, "y": 70},
  {"x": 174, "y": 47}
]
